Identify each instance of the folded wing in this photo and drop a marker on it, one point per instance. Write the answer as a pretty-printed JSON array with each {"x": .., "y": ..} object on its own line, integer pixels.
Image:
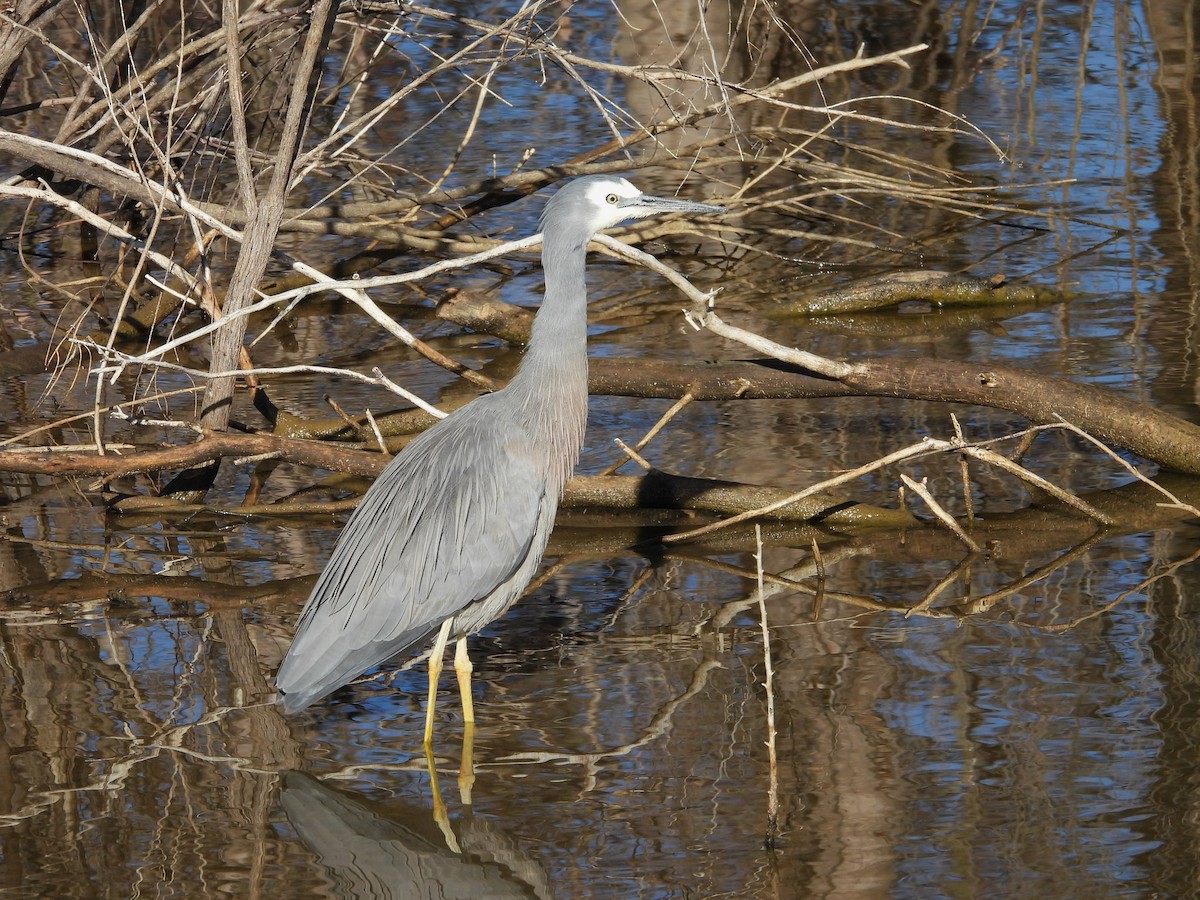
[{"x": 457, "y": 519}]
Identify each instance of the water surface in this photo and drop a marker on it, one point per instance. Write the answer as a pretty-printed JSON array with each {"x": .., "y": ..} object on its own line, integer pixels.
[{"x": 1041, "y": 745}]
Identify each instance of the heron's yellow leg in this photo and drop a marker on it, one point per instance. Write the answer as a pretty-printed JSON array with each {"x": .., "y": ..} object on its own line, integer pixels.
[
  {"x": 463, "y": 669},
  {"x": 435, "y": 672}
]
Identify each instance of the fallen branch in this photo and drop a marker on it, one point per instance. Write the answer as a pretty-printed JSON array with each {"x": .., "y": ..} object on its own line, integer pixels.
[
  {"x": 212, "y": 446},
  {"x": 1152, "y": 433}
]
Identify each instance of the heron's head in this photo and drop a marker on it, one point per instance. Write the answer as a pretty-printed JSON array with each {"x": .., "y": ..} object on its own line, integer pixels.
[{"x": 596, "y": 202}]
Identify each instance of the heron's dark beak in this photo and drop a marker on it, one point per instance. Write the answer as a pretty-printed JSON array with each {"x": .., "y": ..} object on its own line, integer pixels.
[{"x": 646, "y": 205}]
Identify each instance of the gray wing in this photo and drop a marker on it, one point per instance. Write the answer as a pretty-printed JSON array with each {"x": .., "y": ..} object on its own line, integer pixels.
[{"x": 454, "y": 519}]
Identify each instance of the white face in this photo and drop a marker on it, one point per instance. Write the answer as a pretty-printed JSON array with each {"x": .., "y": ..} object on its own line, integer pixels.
[
  {"x": 613, "y": 195},
  {"x": 599, "y": 202}
]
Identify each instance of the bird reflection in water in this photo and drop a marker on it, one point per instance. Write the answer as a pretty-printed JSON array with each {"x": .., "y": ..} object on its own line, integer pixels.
[{"x": 373, "y": 852}]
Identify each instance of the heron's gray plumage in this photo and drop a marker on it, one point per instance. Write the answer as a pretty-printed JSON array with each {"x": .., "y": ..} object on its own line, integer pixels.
[
  {"x": 404, "y": 569},
  {"x": 455, "y": 527}
]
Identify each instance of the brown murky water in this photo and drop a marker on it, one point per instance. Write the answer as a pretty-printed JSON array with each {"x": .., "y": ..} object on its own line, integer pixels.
[{"x": 1043, "y": 746}]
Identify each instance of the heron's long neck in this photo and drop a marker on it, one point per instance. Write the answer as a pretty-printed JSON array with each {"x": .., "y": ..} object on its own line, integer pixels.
[{"x": 552, "y": 379}]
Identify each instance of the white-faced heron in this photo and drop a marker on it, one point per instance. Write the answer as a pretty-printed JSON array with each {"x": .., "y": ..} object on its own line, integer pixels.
[{"x": 453, "y": 530}]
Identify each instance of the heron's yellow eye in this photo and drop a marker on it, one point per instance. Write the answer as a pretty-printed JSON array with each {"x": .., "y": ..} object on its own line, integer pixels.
[{"x": 611, "y": 199}]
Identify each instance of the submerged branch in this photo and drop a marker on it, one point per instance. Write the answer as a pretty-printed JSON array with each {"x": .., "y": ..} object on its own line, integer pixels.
[
  {"x": 920, "y": 285},
  {"x": 654, "y": 490}
]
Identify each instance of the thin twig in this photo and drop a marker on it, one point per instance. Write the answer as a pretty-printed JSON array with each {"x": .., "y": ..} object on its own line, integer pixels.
[
  {"x": 819, "y": 566},
  {"x": 124, "y": 360},
  {"x": 768, "y": 684},
  {"x": 1130, "y": 468},
  {"x": 654, "y": 430},
  {"x": 344, "y": 416},
  {"x": 964, "y": 470},
  {"x": 928, "y": 445},
  {"x": 938, "y": 510},
  {"x": 1000, "y": 461},
  {"x": 633, "y": 454},
  {"x": 701, "y": 315},
  {"x": 378, "y": 434}
]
